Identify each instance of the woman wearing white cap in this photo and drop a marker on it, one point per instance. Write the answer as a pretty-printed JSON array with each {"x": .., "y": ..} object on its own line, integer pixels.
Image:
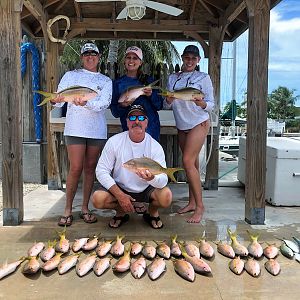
[
  {"x": 85, "y": 129},
  {"x": 150, "y": 100},
  {"x": 192, "y": 122}
]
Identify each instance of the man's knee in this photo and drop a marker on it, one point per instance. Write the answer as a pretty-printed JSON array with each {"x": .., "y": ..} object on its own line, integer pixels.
[
  {"x": 100, "y": 199},
  {"x": 164, "y": 197}
]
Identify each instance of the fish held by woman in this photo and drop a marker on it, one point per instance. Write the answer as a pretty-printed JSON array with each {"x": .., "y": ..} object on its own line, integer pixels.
[
  {"x": 69, "y": 94},
  {"x": 146, "y": 163},
  {"x": 186, "y": 94},
  {"x": 134, "y": 92}
]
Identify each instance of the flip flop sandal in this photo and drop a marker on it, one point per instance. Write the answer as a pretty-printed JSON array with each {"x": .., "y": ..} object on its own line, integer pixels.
[
  {"x": 122, "y": 219},
  {"x": 65, "y": 221},
  {"x": 140, "y": 210},
  {"x": 88, "y": 217},
  {"x": 149, "y": 219}
]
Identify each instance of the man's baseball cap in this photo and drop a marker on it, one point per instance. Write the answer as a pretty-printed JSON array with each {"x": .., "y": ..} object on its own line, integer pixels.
[
  {"x": 89, "y": 47},
  {"x": 191, "y": 49},
  {"x": 137, "y": 107},
  {"x": 136, "y": 50}
]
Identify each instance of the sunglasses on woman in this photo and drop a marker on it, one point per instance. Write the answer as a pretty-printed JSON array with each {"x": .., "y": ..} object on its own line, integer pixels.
[{"x": 140, "y": 118}]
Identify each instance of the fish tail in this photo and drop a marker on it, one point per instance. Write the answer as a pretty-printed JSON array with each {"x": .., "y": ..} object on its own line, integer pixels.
[
  {"x": 49, "y": 96},
  {"x": 153, "y": 83},
  {"x": 164, "y": 92},
  {"x": 170, "y": 172}
]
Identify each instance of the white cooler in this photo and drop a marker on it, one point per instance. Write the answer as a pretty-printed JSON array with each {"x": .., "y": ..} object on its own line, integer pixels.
[{"x": 283, "y": 170}]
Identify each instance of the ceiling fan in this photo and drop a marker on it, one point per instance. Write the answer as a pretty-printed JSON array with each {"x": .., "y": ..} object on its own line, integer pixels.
[{"x": 135, "y": 9}]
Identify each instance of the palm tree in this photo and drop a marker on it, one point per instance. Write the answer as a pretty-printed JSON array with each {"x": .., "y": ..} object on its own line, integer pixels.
[{"x": 281, "y": 103}]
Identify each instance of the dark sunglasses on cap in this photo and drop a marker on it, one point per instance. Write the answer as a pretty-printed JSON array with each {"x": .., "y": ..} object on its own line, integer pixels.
[
  {"x": 140, "y": 118},
  {"x": 89, "y": 53}
]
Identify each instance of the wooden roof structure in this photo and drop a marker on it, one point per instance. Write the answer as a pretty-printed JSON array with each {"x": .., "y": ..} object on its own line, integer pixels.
[{"x": 210, "y": 22}]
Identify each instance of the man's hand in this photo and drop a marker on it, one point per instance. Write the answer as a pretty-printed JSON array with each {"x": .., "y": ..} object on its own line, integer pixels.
[
  {"x": 170, "y": 99},
  {"x": 125, "y": 201},
  {"x": 59, "y": 98},
  {"x": 145, "y": 174},
  {"x": 147, "y": 91},
  {"x": 79, "y": 101}
]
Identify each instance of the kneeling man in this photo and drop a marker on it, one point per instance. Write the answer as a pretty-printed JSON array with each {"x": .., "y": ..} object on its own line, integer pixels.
[{"x": 122, "y": 189}]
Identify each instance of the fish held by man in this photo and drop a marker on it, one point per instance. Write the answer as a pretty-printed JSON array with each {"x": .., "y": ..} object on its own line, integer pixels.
[
  {"x": 69, "y": 94},
  {"x": 146, "y": 163},
  {"x": 186, "y": 94},
  {"x": 134, "y": 92}
]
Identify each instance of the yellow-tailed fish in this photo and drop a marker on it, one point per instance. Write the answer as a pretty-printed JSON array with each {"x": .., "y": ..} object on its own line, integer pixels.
[
  {"x": 67, "y": 263},
  {"x": 255, "y": 249},
  {"x": 252, "y": 267},
  {"x": 104, "y": 248},
  {"x": 123, "y": 264},
  {"x": 134, "y": 92},
  {"x": 101, "y": 265},
  {"x": 146, "y": 163},
  {"x": 138, "y": 267},
  {"x": 175, "y": 249},
  {"x": 238, "y": 248},
  {"x": 117, "y": 248},
  {"x": 52, "y": 263},
  {"x": 84, "y": 266},
  {"x": 187, "y": 94},
  {"x": 136, "y": 248},
  {"x": 63, "y": 245},
  {"x": 78, "y": 244},
  {"x": 184, "y": 269},
  {"x": 271, "y": 251},
  {"x": 273, "y": 266},
  {"x": 91, "y": 243},
  {"x": 156, "y": 268},
  {"x": 48, "y": 252},
  {"x": 69, "y": 94},
  {"x": 236, "y": 265},
  {"x": 35, "y": 249},
  {"x": 199, "y": 265},
  {"x": 225, "y": 249},
  {"x": 7, "y": 269},
  {"x": 32, "y": 266},
  {"x": 191, "y": 249},
  {"x": 163, "y": 250},
  {"x": 205, "y": 247},
  {"x": 149, "y": 251}
]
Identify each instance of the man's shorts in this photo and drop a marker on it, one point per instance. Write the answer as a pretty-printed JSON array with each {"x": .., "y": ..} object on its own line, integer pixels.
[
  {"x": 75, "y": 140},
  {"x": 144, "y": 196}
]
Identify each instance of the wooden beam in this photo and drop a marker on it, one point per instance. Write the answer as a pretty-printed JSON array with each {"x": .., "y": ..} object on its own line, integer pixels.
[
  {"x": 28, "y": 30},
  {"x": 75, "y": 32},
  {"x": 197, "y": 37},
  {"x": 52, "y": 74},
  {"x": 232, "y": 11},
  {"x": 208, "y": 9},
  {"x": 214, "y": 70},
  {"x": 192, "y": 11},
  {"x": 257, "y": 92},
  {"x": 95, "y": 24},
  {"x": 78, "y": 10},
  {"x": 11, "y": 111},
  {"x": 49, "y": 3},
  {"x": 35, "y": 7},
  {"x": 62, "y": 4}
]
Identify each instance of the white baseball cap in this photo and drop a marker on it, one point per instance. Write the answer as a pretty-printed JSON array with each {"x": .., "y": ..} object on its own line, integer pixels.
[
  {"x": 89, "y": 47},
  {"x": 136, "y": 50}
]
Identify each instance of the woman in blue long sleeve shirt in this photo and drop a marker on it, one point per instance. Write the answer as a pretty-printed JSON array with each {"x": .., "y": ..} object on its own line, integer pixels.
[{"x": 151, "y": 101}]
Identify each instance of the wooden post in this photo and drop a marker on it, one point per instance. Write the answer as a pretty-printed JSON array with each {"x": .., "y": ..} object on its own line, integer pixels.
[
  {"x": 54, "y": 178},
  {"x": 259, "y": 21},
  {"x": 11, "y": 117},
  {"x": 214, "y": 70}
]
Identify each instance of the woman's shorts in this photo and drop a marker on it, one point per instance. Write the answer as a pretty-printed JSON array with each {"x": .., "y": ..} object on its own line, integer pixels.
[{"x": 75, "y": 140}]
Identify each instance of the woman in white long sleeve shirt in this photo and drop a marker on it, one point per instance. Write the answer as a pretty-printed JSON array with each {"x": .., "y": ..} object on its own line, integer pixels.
[
  {"x": 192, "y": 122},
  {"x": 85, "y": 129}
]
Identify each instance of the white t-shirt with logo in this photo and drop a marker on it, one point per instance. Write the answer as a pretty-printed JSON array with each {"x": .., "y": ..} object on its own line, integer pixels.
[
  {"x": 87, "y": 121},
  {"x": 186, "y": 113}
]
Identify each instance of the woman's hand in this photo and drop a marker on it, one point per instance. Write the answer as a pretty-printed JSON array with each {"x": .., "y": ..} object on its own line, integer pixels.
[
  {"x": 147, "y": 91},
  {"x": 199, "y": 101},
  {"x": 78, "y": 101}
]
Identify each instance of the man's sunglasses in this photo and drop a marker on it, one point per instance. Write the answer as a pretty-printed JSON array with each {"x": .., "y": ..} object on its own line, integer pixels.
[
  {"x": 140, "y": 118},
  {"x": 89, "y": 54}
]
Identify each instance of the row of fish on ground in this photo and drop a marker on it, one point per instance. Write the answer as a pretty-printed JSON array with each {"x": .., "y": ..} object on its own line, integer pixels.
[{"x": 186, "y": 256}]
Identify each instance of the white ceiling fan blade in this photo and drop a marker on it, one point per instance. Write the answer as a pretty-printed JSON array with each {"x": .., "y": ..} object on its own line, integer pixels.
[
  {"x": 122, "y": 14},
  {"x": 168, "y": 9}
]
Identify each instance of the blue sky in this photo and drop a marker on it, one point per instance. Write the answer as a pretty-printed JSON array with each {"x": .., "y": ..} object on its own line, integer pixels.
[{"x": 284, "y": 54}]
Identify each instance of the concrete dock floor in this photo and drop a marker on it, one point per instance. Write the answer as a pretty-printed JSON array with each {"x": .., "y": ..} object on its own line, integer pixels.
[{"x": 224, "y": 208}]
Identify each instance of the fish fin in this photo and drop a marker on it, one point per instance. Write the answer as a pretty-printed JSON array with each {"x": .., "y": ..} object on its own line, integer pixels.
[
  {"x": 49, "y": 96},
  {"x": 170, "y": 172},
  {"x": 153, "y": 83}
]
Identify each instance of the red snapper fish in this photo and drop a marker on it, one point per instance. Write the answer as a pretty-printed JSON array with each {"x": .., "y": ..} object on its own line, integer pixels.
[{"x": 134, "y": 92}]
